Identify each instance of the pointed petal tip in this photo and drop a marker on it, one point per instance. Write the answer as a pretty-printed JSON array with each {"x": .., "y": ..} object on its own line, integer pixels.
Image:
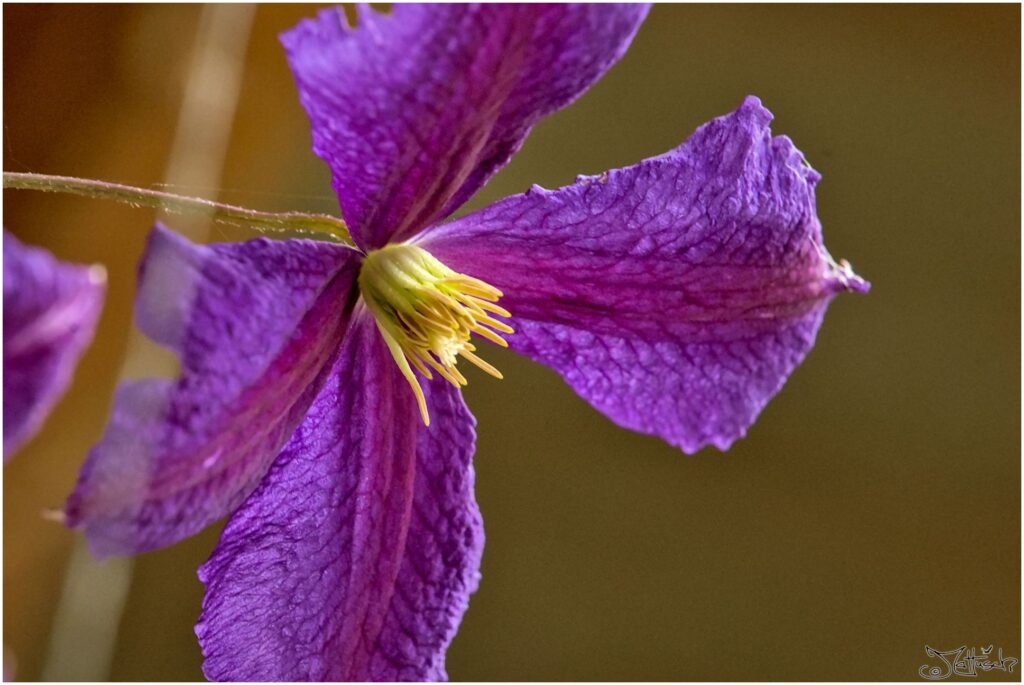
[
  {"x": 843, "y": 279},
  {"x": 752, "y": 108},
  {"x": 858, "y": 285}
]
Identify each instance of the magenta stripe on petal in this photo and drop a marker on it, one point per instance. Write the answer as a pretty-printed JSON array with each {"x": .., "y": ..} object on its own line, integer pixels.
[
  {"x": 355, "y": 557},
  {"x": 415, "y": 110},
  {"x": 676, "y": 295},
  {"x": 50, "y": 313},
  {"x": 255, "y": 325},
  {"x": 440, "y": 568}
]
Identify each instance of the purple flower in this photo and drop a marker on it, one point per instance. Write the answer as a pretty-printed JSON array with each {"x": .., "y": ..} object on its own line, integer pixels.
[
  {"x": 318, "y": 402},
  {"x": 50, "y": 313}
]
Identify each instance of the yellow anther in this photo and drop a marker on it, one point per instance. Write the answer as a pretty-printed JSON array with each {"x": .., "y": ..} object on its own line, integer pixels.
[{"x": 426, "y": 313}]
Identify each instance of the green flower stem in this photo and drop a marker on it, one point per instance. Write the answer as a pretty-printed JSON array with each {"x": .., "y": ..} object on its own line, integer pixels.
[{"x": 180, "y": 204}]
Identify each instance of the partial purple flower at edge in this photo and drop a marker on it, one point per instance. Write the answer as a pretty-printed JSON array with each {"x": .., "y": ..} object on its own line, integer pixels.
[
  {"x": 675, "y": 296},
  {"x": 50, "y": 313}
]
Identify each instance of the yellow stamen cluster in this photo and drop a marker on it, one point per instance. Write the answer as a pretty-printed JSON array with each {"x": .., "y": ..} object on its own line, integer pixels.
[{"x": 427, "y": 313}]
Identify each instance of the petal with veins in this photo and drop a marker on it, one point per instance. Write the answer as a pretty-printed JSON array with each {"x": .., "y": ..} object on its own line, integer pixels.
[
  {"x": 355, "y": 557},
  {"x": 415, "y": 110},
  {"x": 255, "y": 325},
  {"x": 50, "y": 313},
  {"x": 676, "y": 295}
]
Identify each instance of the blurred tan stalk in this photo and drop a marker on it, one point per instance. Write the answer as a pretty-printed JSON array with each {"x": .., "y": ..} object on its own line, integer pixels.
[{"x": 93, "y": 595}]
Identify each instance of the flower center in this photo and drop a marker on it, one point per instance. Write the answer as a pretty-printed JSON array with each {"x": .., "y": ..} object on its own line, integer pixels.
[{"x": 427, "y": 312}]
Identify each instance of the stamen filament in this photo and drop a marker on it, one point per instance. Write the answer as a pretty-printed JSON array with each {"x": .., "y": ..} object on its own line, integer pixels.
[
  {"x": 496, "y": 325},
  {"x": 481, "y": 364},
  {"x": 493, "y": 308},
  {"x": 490, "y": 335},
  {"x": 403, "y": 366}
]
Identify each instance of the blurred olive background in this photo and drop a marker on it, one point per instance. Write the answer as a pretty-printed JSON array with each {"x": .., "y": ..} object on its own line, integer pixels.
[{"x": 874, "y": 507}]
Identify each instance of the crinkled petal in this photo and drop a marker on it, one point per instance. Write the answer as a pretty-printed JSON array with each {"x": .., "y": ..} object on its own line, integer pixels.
[
  {"x": 255, "y": 324},
  {"x": 356, "y": 556},
  {"x": 50, "y": 313},
  {"x": 677, "y": 295},
  {"x": 415, "y": 110}
]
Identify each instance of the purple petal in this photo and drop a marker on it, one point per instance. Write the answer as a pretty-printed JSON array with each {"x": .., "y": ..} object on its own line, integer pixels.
[
  {"x": 255, "y": 324},
  {"x": 50, "y": 314},
  {"x": 414, "y": 111},
  {"x": 676, "y": 295},
  {"x": 356, "y": 556}
]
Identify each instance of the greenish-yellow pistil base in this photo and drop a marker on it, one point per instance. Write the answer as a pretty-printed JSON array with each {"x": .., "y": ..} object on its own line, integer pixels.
[{"x": 427, "y": 314}]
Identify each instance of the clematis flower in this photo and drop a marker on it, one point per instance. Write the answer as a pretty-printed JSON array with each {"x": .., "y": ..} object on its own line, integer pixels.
[
  {"x": 318, "y": 403},
  {"x": 50, "y": 314}
]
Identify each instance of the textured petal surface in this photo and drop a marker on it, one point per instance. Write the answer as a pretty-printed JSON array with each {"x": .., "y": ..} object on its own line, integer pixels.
[
  {"x": 676, "y": 295},
  {"x": 256, "y": 325},
  {"x": 355, "y": 557},
  {"x": 50, "y": 313},
  {"x": 414, "y": 111}
]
